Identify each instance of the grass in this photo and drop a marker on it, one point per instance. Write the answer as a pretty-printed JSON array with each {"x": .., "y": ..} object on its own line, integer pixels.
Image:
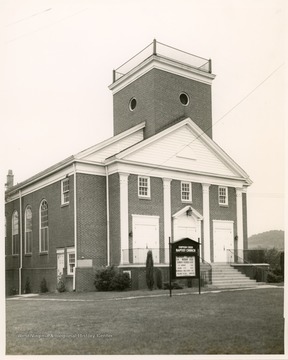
[{"x": 238, "y": 322}]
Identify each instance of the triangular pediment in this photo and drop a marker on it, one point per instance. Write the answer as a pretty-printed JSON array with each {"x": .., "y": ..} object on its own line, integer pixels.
[{"x": 183, "y": 146}]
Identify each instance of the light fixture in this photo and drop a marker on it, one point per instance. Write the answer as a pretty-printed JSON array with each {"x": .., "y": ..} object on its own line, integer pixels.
[{"x": 189, "y": 212}]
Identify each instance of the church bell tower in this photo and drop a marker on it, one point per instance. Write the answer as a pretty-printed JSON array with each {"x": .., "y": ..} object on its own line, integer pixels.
[{"x": 162, "y": 85}]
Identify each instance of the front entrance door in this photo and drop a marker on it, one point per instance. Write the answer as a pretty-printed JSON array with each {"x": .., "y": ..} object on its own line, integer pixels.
[
  {"x": 60, "y": 263},
  {"x": 145, "y": 237},
  {"x": 223, "y": 241}
]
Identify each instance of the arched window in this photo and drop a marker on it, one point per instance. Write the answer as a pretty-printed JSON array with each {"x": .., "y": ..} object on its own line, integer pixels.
[
  {"x": 28, "y": 230},
  {"x": 15, "y": 233},
  {"x": 44, "y": 230}
]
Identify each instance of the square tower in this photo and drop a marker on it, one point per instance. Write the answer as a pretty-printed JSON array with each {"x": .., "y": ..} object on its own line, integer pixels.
[{"x": 162, "y": 85}]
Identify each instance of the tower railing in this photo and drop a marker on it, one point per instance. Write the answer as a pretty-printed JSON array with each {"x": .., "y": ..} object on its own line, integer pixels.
[{"x": 165, "y": 51}]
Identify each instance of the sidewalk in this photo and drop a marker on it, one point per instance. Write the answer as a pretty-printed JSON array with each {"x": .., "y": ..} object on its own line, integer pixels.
[{"x": 132, "y": 294}]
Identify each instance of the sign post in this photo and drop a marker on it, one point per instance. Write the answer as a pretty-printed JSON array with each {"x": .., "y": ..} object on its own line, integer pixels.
[{"x": 184, "y": 260}]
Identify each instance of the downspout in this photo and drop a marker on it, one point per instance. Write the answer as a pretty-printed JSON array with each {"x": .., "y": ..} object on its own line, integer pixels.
[
  {"x": 107, "y": 216},
  {"x": 20, "y": 239},
  {"x": 75, "y": 226}
]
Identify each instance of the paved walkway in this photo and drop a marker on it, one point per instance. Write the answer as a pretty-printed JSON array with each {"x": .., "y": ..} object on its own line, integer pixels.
[{"x": 129, "y": 295}]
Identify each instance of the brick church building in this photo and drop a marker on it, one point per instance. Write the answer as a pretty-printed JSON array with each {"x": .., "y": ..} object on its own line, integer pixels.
[{"x": 160, "y": 176}]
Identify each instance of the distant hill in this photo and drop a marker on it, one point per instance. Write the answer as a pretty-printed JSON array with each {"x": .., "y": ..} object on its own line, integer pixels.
[{"x": 267, "y": 240}]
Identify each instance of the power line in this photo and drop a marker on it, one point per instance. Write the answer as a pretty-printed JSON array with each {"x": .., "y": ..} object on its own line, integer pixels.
[
  {"x": 47, "y": 26},
  {"x": 28, "y": 17},
  {"x": 228, "y": 112}
]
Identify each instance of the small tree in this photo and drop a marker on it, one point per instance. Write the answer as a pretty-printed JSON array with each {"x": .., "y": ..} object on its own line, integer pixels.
[
  {"x": 43, "y": 286},
  {"x": 27, "y": 289},
  {"x": 149, "y": 270}
]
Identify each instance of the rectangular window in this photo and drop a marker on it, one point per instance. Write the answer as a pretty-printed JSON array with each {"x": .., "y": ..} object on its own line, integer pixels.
[
  {"x": 65, "y": 191},
  {"x": 144, "y": 187},
  {"x": 70, "y": 261},
  {"x": 186, "y": 191},
  {"x": 223, "y": 195}
]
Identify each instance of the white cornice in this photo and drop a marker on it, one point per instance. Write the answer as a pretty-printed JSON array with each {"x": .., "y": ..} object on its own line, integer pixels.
[
  {"x": 175, "y": 174},
  {"x": 198, "y": 132},
  {"x": 165, "y": 64}
]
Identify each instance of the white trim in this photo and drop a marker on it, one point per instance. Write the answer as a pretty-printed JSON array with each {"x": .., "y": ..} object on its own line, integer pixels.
[
  {"x": 60, "y": 251},
  {"x": 206, "y": 223},
  {"x": 124, "y": 220},
  {"x": 75, "y": 224},
  {"x": 174, "y": 173},
  {"x": 141, "y": 196},
  {"x": 239, "y": 212},
  {"x": 226, "y": 203},
  {"x": 161, "y": 63},
  {"x": 184, "y": 209},
  {"x": 189, "y": 192},
  {"x": 68, "y": 252},
  {"x": 63, "y": 202},
  {"x": 167, "y": 213},
  {"x": 223, "y": 221},
  {"x": 196, "y": 130}
]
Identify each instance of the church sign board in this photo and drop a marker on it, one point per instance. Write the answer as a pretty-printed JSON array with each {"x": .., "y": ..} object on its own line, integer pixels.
[{"x": 185, "y": 262}]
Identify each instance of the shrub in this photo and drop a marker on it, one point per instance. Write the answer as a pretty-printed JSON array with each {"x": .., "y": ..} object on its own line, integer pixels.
[
  {"x": 110, "y": 279},
  {"x": 275, "y": 276},
  {"x": 43, "y": 286},
  {"x": 13, "y": 291},
  {"x": 149, "y": 270},
  {"x": 158, "y": 278},
  {"x": 27, "y": 288},
  {"x": 61, "y": 284}
]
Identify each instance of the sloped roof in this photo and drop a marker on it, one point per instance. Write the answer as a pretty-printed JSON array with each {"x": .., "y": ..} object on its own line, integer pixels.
[{"x": 184, "y": 146}]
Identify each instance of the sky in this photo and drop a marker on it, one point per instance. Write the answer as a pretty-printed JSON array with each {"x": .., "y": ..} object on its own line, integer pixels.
[{"x": 57, "y": 61}]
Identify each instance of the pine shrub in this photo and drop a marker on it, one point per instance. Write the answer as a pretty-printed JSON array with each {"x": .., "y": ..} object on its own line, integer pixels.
[
  {"x": 150, "y": 270},
  {"x": 43, "y": 286},
  {"x": 61, "y": 284},
  {"x": 27, "y": 288}
]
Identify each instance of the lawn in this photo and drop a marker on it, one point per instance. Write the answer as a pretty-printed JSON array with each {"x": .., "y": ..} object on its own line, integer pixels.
[{"x": 229, "y": 322}]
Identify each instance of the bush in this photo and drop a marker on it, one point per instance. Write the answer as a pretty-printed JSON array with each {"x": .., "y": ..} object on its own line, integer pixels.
[
  {"x": 61, "y": 284},
  {"x": 158, "y": 278},
  {"x": 43, "y": 286},
  {"x": 275, "y": 276},
  {"x": 27, "y": 288},
  {"x": 110, "y": 279},
  {"x": 13, "y": 292},
  {"x": 149, "y": 270}
]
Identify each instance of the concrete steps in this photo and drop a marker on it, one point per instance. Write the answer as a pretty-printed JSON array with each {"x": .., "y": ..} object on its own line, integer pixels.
[{"x": 225, "y": 276}]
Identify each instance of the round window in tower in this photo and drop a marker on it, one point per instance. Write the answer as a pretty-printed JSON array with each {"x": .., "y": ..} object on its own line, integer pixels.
[
  {"x": 132, "y": 104},
  {"x": 184, "y": 98}
]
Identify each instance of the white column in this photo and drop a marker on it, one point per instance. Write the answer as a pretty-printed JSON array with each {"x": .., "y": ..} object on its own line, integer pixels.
[
  {"x": 124, "y": 225},
  {"x": 239, "y": 212},
  {"x": 167, "y": 215},
  {"x": 206, "y": 222}
]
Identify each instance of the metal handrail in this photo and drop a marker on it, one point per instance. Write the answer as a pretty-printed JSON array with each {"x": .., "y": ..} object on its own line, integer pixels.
[
  {"x": 257, "y": 268},
  {"x": 165, "y": 51}
]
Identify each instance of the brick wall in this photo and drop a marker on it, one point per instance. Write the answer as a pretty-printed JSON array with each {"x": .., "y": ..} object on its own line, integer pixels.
[
  {"x": 157, "y": 94},
  {"x": 177, "y": 204},
  {"x": 245, "y": 229},
  {"x": 61, "y": 234},
  {"x": 92, "y": 219}
]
